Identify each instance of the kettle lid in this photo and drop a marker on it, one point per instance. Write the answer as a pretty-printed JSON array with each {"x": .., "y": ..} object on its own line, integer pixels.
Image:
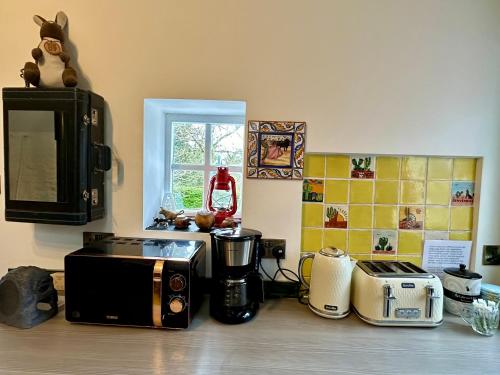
[
  {"x": 462, "y": 273},
  {"x": 333, "y": 252}
]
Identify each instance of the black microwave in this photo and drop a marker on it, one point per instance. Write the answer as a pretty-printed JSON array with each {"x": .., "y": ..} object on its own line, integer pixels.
[
  {"x": 135, "y": 282},
  {"x": 54, "y": 155}
]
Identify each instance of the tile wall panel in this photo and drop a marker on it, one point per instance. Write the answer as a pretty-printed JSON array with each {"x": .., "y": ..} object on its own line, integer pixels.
[{"x": 384, "y": 207}]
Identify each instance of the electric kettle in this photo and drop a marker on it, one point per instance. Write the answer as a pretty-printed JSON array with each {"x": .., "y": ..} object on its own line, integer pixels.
[{"x": 330, "y": 284}]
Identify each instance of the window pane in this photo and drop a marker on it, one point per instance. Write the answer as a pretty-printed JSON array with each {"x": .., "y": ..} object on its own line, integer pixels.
[
  {"x": 187, "y": 187},
  {"x": 239, "y": 180},
  {"x": 188, "y": 140},
  {"x": 227, "y": 144}
]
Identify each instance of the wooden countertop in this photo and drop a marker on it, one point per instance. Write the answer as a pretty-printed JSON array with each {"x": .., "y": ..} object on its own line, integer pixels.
[{"x": 284, "y": 338}]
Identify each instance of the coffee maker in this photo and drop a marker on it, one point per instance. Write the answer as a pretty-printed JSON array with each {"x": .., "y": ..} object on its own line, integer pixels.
[{"x": 237, "y": 286}]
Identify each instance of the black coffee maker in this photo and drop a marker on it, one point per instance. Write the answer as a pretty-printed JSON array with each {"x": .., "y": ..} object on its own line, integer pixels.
[{"x": 237, "y": 286}]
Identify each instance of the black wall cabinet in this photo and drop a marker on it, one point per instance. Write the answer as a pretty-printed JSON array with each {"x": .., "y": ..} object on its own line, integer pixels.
[{"x": 54, "y": 155}]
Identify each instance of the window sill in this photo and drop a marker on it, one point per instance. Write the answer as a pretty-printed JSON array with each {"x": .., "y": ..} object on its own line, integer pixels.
[{"x": 192, "y": 228}]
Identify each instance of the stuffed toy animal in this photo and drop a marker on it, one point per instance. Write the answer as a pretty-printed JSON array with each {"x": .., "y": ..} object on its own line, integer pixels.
[{"x": 51, "y": 67}]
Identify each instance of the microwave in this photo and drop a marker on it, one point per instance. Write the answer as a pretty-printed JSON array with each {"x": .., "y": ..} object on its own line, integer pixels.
[{"x": 135, "y": 282}]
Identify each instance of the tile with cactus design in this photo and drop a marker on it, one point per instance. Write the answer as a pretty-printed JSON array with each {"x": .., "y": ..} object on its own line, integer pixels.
[
  {"x": 312, "y": 190},
  {"x": 411, "y": 217},
  {"x": 362, "y": 166},
  {"x": 336, "y": 216},
  {"x": 384, "y": 242},
  {"x": 462, "y": 193}
]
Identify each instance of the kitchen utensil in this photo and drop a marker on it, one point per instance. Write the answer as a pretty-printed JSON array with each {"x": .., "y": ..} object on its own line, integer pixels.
[
  {"x": 483, "y": 316},
  {"x": 330, "y": 285},
  {"x": 393, "y": 293},
  {"x": 182, "y": 222},
  {"x": 461, "y": 287}
]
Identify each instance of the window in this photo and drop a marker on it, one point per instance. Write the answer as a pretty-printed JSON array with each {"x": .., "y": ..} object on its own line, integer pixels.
[
  {"x": 197, "y": 145},
  {"x": 184, "y": 142}
]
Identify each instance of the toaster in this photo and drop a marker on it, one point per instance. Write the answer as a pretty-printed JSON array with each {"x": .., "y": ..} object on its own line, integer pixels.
[{"x": 392, "y": 293}]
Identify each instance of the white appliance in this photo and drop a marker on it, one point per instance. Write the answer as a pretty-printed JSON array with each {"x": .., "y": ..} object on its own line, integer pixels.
[
  {"x": 391, "y": 293},
  {"x": 461, "y": 288},
  {"x": 330, "y": 284}
]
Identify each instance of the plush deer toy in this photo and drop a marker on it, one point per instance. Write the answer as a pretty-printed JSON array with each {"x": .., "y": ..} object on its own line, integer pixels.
[{"x": 51, "y": 67}]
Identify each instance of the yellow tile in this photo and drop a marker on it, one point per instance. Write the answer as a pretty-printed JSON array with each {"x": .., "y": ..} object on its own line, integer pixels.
[
  {"x": 376, "y": 257},
  {"x": 415, "y": 260},
  {"x": 386, "y": 217},
  {"x": 464, "y": 169},
  {"x": 360, "y": 216},
  {"x": 461, "y": 218},
  {"x": 440, "y": 169},
  {"x": 306, "y": 268},
  {"x": 386, "y": 192},
  {"x": 311, "y": 239},
  {"x": 336, "y": 191},
  {"x": 314, "y": 165},
  {"x": 410, "y": 242},
  {"x": 461, "y": 236},
  {"x": 361, "y": 191},
  {"x": 359, "y": 257},
  {"x": 387, "y": 168},
  {"x": 438, "y": 192},
  {"x": 335, "y": 238},
  {"x": 337, "y": 166},
  {"x": 413, "y": 168},
  {"x": 412, "y": 192},
  {"x": 437, "y": 218},
  {"x": 360, "y": 241},
  {"x": 312, "y": 215}
]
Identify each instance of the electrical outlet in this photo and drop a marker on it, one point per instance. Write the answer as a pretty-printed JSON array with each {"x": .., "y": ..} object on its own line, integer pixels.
[
  {"x": 491, "y": 255},
  {"x": 270, "y": 247}
]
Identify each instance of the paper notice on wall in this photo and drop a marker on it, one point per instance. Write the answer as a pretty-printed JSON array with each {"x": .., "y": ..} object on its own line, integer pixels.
[{"x": 443, "y": 254}]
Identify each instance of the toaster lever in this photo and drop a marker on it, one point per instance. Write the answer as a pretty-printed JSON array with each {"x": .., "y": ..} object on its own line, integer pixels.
[
  {"x": 388, "y": 299},
  {"x": 430, "y": 297}
]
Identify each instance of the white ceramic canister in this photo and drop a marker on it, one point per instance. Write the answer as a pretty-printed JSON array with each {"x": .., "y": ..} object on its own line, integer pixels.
[{"x": 460, "y": 287}]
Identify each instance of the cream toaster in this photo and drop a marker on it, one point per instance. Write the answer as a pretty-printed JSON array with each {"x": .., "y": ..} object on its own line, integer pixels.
[{"x": 391, "y": 293}]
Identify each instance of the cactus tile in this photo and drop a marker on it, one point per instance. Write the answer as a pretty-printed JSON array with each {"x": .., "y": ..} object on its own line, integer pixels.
[
  {"x": 312, "y": 190},
  {"x": 336, "y": 216},
  {"x": 361, "y": 191},
  {"x": 411, "y": 217},
  {"x": 462, "y": 193},
  {"x": 388, "y": 167},
  {"x": 337, "y": 166},
  {"x": 362, "y": 166},
  {"x": 384, "y": 242},
  {"x": 336, "y": 191}
]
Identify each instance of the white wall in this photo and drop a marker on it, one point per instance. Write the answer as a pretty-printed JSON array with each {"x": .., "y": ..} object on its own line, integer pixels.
[{"x": 388, "y": 76}]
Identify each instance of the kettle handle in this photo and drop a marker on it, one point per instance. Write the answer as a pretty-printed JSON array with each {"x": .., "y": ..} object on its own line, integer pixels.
[{"x": 301, "y": 268}]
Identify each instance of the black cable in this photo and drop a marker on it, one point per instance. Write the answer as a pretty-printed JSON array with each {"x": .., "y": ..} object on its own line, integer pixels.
[
  {"x": 286, "y": 269},
  {"x": 265, "y": 273}
]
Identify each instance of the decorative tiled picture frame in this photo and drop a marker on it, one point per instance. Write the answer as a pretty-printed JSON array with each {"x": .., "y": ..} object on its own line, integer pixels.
[{"x": 276, "y": 149}]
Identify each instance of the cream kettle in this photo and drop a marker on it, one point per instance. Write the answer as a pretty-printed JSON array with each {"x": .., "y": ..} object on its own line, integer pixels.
[{"x": 330, "y": 284}]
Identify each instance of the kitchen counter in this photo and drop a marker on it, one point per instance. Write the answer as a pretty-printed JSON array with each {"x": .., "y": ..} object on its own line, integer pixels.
[{"x": 285, "y": 338}]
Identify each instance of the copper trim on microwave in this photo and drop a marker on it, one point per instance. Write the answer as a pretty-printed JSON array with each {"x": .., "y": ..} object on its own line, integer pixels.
[{"x": 157, "y": 287}]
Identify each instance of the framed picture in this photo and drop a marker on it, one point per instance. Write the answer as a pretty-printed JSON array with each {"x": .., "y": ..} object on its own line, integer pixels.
[{"x": 276, "y": 149}]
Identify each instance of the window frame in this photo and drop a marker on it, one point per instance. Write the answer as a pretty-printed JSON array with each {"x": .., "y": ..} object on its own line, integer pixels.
[{"x": 208, "y": 120}]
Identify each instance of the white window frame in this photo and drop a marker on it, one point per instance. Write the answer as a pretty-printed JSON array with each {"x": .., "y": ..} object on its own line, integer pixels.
[{"x": 209, "y": 120}]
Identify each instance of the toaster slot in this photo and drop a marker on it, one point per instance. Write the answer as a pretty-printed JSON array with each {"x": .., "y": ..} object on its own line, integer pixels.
[{"x": 403, "y": 267}]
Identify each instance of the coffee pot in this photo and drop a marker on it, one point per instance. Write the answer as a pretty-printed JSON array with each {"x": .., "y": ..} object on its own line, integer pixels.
[{"x": 330, "y": 284}]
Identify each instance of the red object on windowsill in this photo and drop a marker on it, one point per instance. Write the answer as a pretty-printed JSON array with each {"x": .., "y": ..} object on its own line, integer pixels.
[{"x": 222, "y": 183}]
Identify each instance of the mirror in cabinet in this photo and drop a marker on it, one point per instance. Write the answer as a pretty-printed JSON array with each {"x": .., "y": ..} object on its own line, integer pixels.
[{"x": 54, "y": 154}]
